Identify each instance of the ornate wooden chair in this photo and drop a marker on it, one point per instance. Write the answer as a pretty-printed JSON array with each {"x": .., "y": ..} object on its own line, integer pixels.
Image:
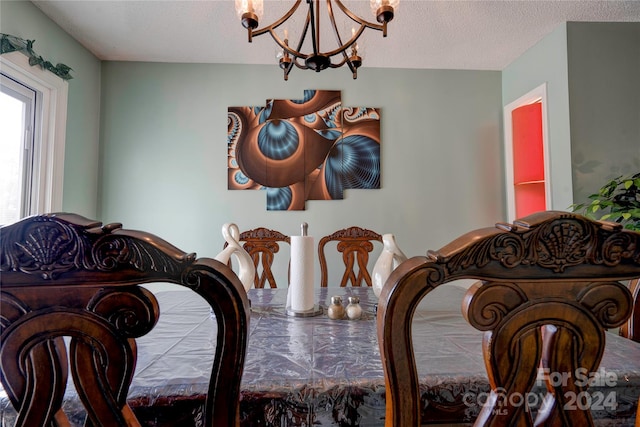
[
  {"x": 262, "y": 244},
  {"x": 355, "y": 244},
  {"x": 631, "y": 329},
  {"x": 62, "y": 275},
  {"x": 548, "y": 290}
]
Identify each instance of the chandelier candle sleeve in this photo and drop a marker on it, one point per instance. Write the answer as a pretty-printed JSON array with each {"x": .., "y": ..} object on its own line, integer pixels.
[{"x": 250, "y": 12}]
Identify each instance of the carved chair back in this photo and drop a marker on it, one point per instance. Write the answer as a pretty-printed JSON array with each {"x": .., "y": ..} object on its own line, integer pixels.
[
  {"x": 355, "y": 244},
  {"x": 62, "y": 275},
  {"x": 549, "y": 288},
  {"x": 262, "y": 244},
  {"x": 631, "y": 329}
]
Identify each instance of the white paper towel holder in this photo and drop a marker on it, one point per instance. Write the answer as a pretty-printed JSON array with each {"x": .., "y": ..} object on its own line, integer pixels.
[{"x": 316, "y": 310}]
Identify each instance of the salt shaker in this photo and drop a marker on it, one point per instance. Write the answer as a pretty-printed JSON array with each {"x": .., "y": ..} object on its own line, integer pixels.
[
  {"x": 354, "y": 311},
  {"x": 335, "y": 309}
]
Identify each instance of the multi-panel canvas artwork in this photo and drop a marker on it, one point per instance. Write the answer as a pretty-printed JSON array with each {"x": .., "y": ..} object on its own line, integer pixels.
[{"x": 308, "y": 149}]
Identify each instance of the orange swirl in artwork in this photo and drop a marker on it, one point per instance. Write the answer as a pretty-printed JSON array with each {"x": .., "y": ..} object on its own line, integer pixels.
[{"x": 273, "y": 164}]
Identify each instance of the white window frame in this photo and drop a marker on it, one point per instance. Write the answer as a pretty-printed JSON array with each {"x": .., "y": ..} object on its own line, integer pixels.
[
  {"x": 48, "y": 168},
  {"x": 28, "y": 101}
]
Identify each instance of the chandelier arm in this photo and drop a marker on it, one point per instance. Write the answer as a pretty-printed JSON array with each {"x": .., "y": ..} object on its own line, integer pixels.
[
  {"x": 333, "y": 24},
  {"x": 349, "y": 43},
  {"x": 270, "y": 28},
  {"x": 305, "y": 30},
  {"x": 343, "y": 47},
  {"x": 299, "y": 54},
  {"x": 353, "y": 39},
  {"x": 372, "y": 25},
  {"x": 285, "y": 47},
  {"x": 345, "y": 60},
  {"x": 299, "y": 65},
  {"x": 340, "y": 49},
  {"x": 318, "y": 60},
  {"x": 331, "y": 53},
  {"x": 309, "y": 21}
]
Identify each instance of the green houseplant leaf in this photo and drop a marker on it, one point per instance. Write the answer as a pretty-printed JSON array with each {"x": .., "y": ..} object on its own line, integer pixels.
[{"x": 618, "y": 201}]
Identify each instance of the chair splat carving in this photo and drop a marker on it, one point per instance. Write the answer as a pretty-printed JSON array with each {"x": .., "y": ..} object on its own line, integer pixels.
[
  {"x": 262, "y": 244},
  {"x": 631, "y": 329},
  {"x": 62, "y": 275},
  {"x": 355, "y": 244},
  {"x": 549, "y": 288}
]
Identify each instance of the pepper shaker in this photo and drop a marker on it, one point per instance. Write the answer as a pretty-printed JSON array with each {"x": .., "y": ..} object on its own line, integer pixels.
[
  {"x": 335, "y": 309},
  {"x": 354, "y": 311}
]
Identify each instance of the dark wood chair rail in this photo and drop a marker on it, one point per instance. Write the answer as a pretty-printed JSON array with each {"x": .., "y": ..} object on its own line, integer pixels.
[
  {"x": 262, "y": 244},
  {"x": 549, "y": 288},
  {"x": 355, "y": 244},
  {"x": 64, "y": 275}
]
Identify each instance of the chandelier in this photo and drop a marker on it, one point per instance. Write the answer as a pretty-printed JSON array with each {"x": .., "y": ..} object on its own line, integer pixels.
[{"x": 307, "y": 53}]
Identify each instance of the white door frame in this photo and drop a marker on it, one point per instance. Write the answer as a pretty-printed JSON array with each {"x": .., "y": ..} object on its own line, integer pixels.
[{"x": 537, "y": 94}]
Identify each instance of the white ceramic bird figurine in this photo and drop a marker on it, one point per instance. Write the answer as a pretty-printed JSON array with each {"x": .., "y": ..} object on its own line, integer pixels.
[{"x": 246, "y": 268}]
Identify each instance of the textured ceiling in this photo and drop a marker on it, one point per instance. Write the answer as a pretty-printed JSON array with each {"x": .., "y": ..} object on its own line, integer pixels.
[{"x": 481, "y": 35}]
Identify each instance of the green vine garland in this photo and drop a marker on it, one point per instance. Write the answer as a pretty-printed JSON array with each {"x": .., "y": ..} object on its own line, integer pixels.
[{"x": 9, "y": 43}]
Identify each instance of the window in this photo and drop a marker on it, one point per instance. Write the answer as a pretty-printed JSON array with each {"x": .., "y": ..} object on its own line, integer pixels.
[
  {"x": 17, "y": 123},
  {"x": 33, "y": 112}
]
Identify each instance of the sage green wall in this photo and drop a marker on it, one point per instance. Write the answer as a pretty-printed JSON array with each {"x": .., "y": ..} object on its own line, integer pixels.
[
  {"x": 546, "y": 62},
  {"x": 154, "y": 157},
  {"x": 591, "y": 70},
  {"x": 162, "y": 151},
  {"x": 163, "y": 141},
  {"x": 23, "y": 19},
  {"x": 604, "y": 93}
]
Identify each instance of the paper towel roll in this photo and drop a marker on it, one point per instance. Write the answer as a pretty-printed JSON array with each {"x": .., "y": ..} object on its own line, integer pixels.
[{"x": 301, "y": 285}]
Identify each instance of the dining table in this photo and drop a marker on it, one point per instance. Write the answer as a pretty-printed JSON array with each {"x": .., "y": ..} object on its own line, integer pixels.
[
  {"x": 318, "y": 371},
  {"x": 306, "y": 370}
]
